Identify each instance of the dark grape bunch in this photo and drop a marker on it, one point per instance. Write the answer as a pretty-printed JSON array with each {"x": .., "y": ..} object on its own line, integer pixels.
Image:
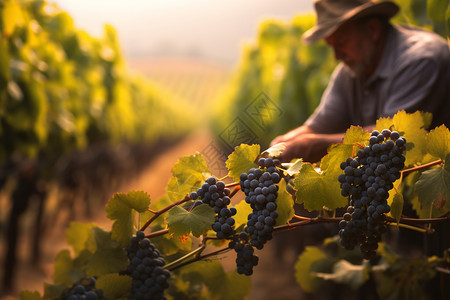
[
  {"x": 259, "y": 186},
  {"x": 84, "y": 289},
  {"x": 215, "y": 194},
  {"x": 150, "y": 279},
  {"x": 367, "y": 180}
]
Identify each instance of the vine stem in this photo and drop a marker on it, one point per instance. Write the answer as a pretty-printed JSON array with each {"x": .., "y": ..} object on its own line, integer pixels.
[
  {"x": 194, "y": 252},
  {"x": 443, "y": 270},
  {"x": 421, "y": 167},
  {"x": 199, "y": 257},
  {"x": 163, "y": 210},
  {"x": 419, "y": 229},
  {"x": 231, "y": 184}
]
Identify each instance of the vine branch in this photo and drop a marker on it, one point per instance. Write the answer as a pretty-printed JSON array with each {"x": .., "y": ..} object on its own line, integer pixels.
[
  {"x": 163, "y": 210},
  {"x": 421, "y": 167}
]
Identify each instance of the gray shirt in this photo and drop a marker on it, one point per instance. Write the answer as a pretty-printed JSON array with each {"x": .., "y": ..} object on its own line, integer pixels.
[{"x": 413, "y": 74}]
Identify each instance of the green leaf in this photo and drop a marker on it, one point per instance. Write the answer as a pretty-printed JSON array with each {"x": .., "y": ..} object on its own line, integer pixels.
[
  {"x": 285, "y": 204},
  {"x": 198, "y": 221},
  {"x": 121, "y": 209},
  {"x": 243, "y": 210},
  {"x": 114, "y": 285},
  {"x": 188, "y": 174},
  {"x": 305, "y": 267},
  {"x": 347, "y": 273},
  {"x": 395, "y": 200},
  {"x": 397, "y": 206},
  {"x": 316, "y": 190},
  {"x": 65, "y": 271},
  {"x": 274, "y": 151},
  {"x": 433, "y": 187},
  {"x": 241, "y": 160},
  {"x": 53, "y": 291},
  {"x": 80, "y": 237},
  {"x": 221, "y": 285},
  {"x": 438, "y": 142},
  {"x": 293, "y": 168},
  {"x": 436, "y": 10},
  {"x": 109, "y": 256},
  {"x": 29, "y": 295},
  {"x": 412, "y": 127}
]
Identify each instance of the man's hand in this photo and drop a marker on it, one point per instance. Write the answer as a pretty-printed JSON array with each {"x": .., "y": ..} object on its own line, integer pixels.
[{"x": 305, "y": 143}]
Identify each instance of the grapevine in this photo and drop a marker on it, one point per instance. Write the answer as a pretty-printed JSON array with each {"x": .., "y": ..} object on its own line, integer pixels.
[
  {"x": 367, "y": 180},
  {"x": 179, "y": 236}
]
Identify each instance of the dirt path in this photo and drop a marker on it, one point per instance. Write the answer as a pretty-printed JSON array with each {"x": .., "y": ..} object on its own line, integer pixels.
[{"x": 273, "y": 278}]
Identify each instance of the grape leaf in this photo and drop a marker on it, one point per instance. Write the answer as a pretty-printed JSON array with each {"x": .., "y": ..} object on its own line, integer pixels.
[
  {"x": 316, "y": 190},
  {"x": 29, "y": 295},
  {"x": 285, "y": 204},
  {"x": 221, "y": 285},
  {"x": 305, "y": 267},
  {"x": 354, "y": 138},
  {"x": 347, "y": 273},
  {"x": 293, "y": 168},
  {"x": 80, "y": 237},
  {"x": 114, "y": 285},
  {"x": 109, "y": 257},
  {"x": 198, "y": 221},
  {"x": 241, "y": 160},
  {"x": 168, "y": 245},
  {"x": 243, "y": 210},
  {"x": 188, "y": 174},
  {"x": 274, "y": 151},
  {"x": 438, "y": 142},
  {"x": 53, "y": 291},
  {"x": 412, "y": 127},
  {"x": 120, "y": 209},
  {"x": 395, "y": 200},
  {"x": 433, "y": 187},
  {"x": 436, "y": 10},
  {"x": 397, "y": 206},
  {"x": 356, "y": 134},
  {"x": 65, "y": 272}
]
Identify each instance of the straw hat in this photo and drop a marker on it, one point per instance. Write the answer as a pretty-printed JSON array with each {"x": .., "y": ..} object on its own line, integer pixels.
[{"x": 333, "y": 13}]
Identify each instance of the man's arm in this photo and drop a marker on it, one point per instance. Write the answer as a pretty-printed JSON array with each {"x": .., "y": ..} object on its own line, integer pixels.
[{"x": 303, "y": 142}]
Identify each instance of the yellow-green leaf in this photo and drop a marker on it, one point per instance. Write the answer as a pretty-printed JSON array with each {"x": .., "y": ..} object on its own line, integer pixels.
[
  {"x": 304, "y": 268},
  {"x": 285, "y": 204},
  {"x": 241, "y": 160},
  {"x": 316, "y": 190},
  {"x": 438, "y": 142},
  {"x": 188, "y": 174},
  {"x": 121, "y": 209}
]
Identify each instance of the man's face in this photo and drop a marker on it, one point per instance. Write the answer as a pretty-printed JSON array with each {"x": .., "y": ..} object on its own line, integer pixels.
[{"x": 354, "y": 48}]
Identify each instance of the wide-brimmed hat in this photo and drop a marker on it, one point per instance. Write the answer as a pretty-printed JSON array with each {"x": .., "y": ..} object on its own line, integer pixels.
[{"x": 331, "y": 14}]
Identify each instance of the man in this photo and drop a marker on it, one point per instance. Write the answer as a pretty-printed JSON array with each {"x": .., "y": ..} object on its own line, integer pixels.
[{"x": 385, "y": 68}]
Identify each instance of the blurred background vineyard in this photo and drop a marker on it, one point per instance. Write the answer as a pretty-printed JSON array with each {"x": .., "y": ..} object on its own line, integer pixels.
[{"x": 81, "y": 116}]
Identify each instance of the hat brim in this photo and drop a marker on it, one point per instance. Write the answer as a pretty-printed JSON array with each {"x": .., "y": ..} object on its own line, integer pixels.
[{"x": 318, "y": 32}]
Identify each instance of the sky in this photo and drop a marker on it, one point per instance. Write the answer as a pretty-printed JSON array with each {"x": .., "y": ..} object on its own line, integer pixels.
[{"x": 210, "y": 28}]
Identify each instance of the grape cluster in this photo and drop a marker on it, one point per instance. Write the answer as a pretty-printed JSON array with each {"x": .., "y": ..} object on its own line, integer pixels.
[
  {"x": 367, "y": 180},
  {"x": 85, "y": 289},
  {"x": 150, "y": 279},
  {"x": 215, "y": 194},
  {"x": 259, "y": 186}
]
